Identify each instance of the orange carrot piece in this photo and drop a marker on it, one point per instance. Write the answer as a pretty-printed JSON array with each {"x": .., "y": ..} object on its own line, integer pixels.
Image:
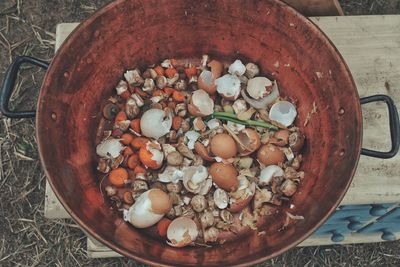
[
  {"x": 158, "y": 93},
  {"x": 118, "y": 177},
  {"x": 191, "y": 71},
  {"x": 162, "y": 226},
  {"x": 159, "y": 70},
  {"x": 126, "y": 138},
  {"x": 170, "y": 72},
  {"x": 121, "y": 116},
  {"x": 139, "y": 169},
  {"x": 169, "y": 91},
  {"x": 135, "y": 125},
  {"x": 127, "y": 152},
  {"x": 178, "y": 96},
  {"x": 177, "y": 122},
  {"x": 133, "y": 161},
  {"x": 139, "y": 142}
]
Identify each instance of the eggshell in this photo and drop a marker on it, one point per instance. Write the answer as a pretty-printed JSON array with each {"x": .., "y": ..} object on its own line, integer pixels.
[
  {"x": 206, "y": 81},
  {"x": 283, "y": 112},
  {"x": 148, "y": 209},
  {"x": 224, "y": 176},
  {"x": 240, "y": 205},
  {"x": 268, "y": 173},
  {"x": 222, "y": 145},
  {"x": 270, "y": 155},
  {"x": 251, "y": 139},
  {"x": 280, "y": 138},
  {"x": 228, "y": 86},
  {"x": 181, "y": 232},
  {"x": 200, "y": 104},
  {"x": 216, "y": 68},
  {"x": 154, "y": 123}
]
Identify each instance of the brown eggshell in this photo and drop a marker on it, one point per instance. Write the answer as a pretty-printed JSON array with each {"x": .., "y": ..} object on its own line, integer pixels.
[
  {"x": 216, "y": 68},
  {"x": 251, "y": 139},
  {"x": 280, "y": 138},
  {"x": 240, "y": 205},
  {"x": 224, "y": 175},
  {"x": 161, "y": 203},
  {"x": 211, "y": 89},
  {"x": 194, "y": 111},
  {"x": 202, "y": 151},
  {"x": 223, "y": 146},
  {"x": 270, "y": 155}
]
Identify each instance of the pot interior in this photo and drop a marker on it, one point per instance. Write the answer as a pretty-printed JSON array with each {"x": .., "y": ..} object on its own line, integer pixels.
[{"x": 128, "y": 34}]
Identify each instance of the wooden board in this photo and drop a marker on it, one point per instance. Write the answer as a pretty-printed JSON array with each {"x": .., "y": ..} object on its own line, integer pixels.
[
  {"x": 371, "y": 48},
  {"x": 317, "y": 7}
]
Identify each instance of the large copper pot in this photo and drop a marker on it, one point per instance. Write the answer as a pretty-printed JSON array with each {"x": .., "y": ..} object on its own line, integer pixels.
[{"x": 129, "y": 33}]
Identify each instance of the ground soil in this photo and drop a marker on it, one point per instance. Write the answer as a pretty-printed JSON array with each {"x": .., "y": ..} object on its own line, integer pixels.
[{"x": 29, "y": 239}]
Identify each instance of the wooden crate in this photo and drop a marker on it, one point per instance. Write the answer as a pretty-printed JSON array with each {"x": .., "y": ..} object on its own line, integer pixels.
[{"x": 371, "y": 48}]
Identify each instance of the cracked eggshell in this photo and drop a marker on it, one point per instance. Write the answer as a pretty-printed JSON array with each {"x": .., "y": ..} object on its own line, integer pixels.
[
  {"x": 216, "y": 68},
  {"x": 237, "y": 68},
  {"x": 268, "y": 173},
  {"x": 155, "y": 123},
  {"x": 200, "y": 104},
  {"x": 224, "y": 176},
  {"x": 221, "y": 198},
  {"x": 251, "y": 139},
  {"x": 170, "y": 174},
  {"x": 222, "y": 145},
  {"x": 265, "y": 101},
  {"x": 238, "y": 204},
  {"x": 109, "y": 149},
  {"x": 259, "y": 87},
  {"x": 191, "y": 137},
  {"x": 270, "y": 155},
  {"x": 228, "y": 86},
  {"x": 283, "y": 112},
  {"x": 151, "y": 155},
  {"x": 194, "y": 177},
  {"x": 181, "y": 232},
  {"x": 148, "y": 209},
  {"x": 206, "y": 81}
]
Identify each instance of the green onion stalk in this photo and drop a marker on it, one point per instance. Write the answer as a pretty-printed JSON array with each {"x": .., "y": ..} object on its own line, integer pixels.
[{"x": 225, "y": 116}]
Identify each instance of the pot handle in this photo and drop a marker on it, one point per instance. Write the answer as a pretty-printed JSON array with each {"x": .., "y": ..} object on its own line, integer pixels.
[
  {"x": 8, "y": 85},
  {"x": 394, "y": 127}
]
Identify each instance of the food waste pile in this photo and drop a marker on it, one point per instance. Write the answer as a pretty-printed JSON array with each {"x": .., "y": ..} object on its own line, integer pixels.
[{"x": 198, "y": 150}]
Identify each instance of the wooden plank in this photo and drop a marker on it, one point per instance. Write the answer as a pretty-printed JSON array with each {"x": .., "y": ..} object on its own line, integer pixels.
[
  {"x": 317, "y": 7},
  {"x": 371, "y": 48}
]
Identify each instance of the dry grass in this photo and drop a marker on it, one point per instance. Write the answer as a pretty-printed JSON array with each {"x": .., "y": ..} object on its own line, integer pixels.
[{"x": 27, "y": 238}]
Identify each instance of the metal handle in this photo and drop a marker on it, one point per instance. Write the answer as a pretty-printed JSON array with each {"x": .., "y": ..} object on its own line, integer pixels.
[
  {"x": 394, "y": 127},
  {"x": 8, "y": 85}
]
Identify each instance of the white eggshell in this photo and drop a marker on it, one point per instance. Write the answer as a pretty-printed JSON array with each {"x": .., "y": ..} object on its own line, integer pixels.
[
  {"x": 155, "y": 124},
  {"x": 283, "y": 112},
  {"x": 170, "y": 174},
  {"x": 256, "y": 87},
  {"x": 203, "y": 102},
  {"x": 181, "y": 232},
  {"x": 110, "y": 148},
  {"x": 228, "y": 86},
  {"x": 268, "y": 173},
  {"x": 221, "y": 198},
  {"x": 191, "y": 137},
  {"x": 237, "y": 68},
  {"x": 140, "y": 215}
]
